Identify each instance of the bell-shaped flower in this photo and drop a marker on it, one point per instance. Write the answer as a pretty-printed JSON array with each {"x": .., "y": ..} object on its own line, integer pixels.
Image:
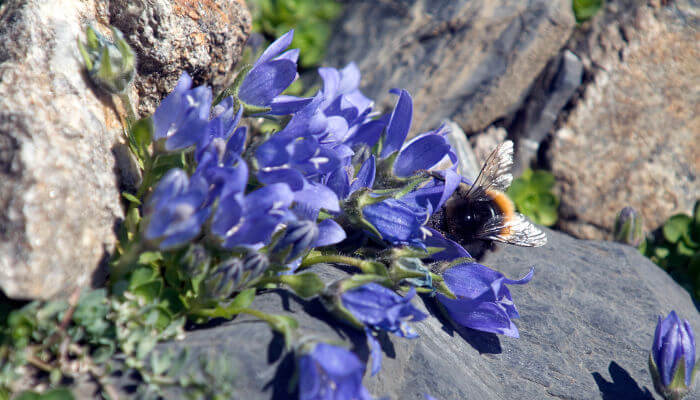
[
  {"x": 331, "y": 372},
  {"x": 181, "y": 119},
  {"x": 225, "y": 119},
  {"x": 342, "y": 96},
  {"x": 271, "y": 75},
  {"x": 672, "y": 358},
  {"x": 176, "y": 210},
  {"x": 249, "y": 220},
  {"x": 398, "y": 222},
  {"x": 483, "y": 301},
  {"x": 221, "y": 165},
  {"x": 381, "y": 309}
]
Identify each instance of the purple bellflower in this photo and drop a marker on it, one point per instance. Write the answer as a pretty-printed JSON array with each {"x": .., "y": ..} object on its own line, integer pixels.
[
  {"x": 483, "y": 301},
  {"x": 296, "y": 156},
  {"x": 225, "y": 119},
  {"x": 181, "y": 119},
  {"x": 249, "y": 220},
  {"x": 382, "y": 309},
  {"x": 399, "y": 222},
  {"x": 342, "y": 96},
  {"x": 331, "y": 373},
  {"x": 271, "y": 75},
  {"x": 176, "y": 210},
  {"x": 221, "y": 165},
  {"x": 402, "y": 221},
  {"x": 672, "y": 358}
]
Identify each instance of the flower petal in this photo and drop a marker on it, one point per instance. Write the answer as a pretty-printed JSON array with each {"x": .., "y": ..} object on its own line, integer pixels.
[
  {"x": 264, "y": 82},
  {"x": 318, "y": 196},
  {"x": 275, "y": 48},
  {"x": 375, "y": 351},
  {"x": 329, "y": 233},
  {"x": 365, "y": 176},
  {"x": 421, "y": 154},
  {"x": 399, "y": 124}
]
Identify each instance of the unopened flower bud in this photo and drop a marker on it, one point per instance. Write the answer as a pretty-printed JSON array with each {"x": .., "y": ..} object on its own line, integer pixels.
[
  {"x": 297, "y": 239},
  {"x": 411, "y": 270},
  {"x": 628, "y": 227},
  {"x": 224, "y": 279},
  {"x": 110, "y": 65},
  {"x": 672, "y": 358},
  {"x": 254, "y": 264},
  {"x": 196, "y": 261}
]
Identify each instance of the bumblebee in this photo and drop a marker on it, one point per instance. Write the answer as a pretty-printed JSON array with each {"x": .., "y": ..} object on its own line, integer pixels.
[{"x": 480, "y": 213}]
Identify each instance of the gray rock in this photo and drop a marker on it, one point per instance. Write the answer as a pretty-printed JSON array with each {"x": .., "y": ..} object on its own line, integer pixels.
[
  {"x": 61, "y": 142},
  {"x": 587, "y": 323},
  {"x": 633, "y": 138},
  {"x": 468, "y": 165},
  {"x": 543, "y": 106},
  {"x": 472, "y": 61},
  {"x": 485, "y": 142},
  {"x": 205, "y": 38}
]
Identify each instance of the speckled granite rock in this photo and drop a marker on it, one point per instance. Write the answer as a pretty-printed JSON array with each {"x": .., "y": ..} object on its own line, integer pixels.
[
  {"x": 205, "y": 38},
  {"x": 587, "y": 322},
  {"x": 60, "y": 138},
  {"x": 634, "y": 136},
  {"x": 469, "y": 60},
  {"x": 59, "y": 198}
]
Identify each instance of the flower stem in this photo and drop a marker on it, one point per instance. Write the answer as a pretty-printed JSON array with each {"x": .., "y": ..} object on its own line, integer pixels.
[
  {"x": 126, "y": 261},
  {"x": 130, "y": 115},
  {"x": 337, "y": 259}
]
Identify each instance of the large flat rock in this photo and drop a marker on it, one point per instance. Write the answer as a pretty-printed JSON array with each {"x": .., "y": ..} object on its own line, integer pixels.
[
  {"x": 469, "y": 60},
  {"x": 587, "y": 323}
]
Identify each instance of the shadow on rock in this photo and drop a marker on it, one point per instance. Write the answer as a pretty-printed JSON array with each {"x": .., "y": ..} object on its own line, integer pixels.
[
  {"x": 483, "y": 342},
  {"x": 622, "y": 385}
]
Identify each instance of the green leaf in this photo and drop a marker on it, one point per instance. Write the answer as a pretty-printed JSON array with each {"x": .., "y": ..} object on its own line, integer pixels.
[
  {"x": 149, "y": 291},
  {"x": 130, "y": 197},
  {"x": 542, "y": 181},
  {"x": 170, "y": 300},
  {"x": 305, "y": 285},
  {"x": 54, "y": 394},
  {"x": 148, "y": 257},
  {"x": 661, "y": 252},
  {"x": 675, "y": 227},
  {"x": 683, "y": 249},
  {"x": 586, "y": 9},
  {"x": 142, "y": 132},
  {"x": 142, "y": 276},
  {"x": 243, "y": 299}
]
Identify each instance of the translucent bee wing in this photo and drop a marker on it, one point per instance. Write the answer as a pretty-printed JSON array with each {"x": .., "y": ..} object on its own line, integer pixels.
[
  {"x": 516, "y": 229},
  {"x": 495, "y": 174}
]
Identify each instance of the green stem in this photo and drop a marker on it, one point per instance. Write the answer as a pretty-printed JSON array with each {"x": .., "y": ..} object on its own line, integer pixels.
[
  {"x": 148, "y": 176},
  {"x": 127, "y": 260},
  {"x": 337, "y": 259},
  {"x": 130, "y": 115}
]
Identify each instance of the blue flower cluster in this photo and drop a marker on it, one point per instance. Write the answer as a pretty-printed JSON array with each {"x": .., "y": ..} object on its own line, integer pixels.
[{"x": 337, "y": 167}]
